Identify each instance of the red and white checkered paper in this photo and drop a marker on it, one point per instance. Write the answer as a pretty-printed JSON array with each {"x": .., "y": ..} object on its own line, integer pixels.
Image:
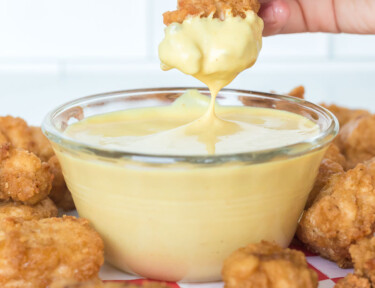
[{"x": 328, "y": 273}]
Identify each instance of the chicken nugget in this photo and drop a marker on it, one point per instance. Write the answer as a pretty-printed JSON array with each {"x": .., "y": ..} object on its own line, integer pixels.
[
  {"x": 332, "y": 163},
  {"x": 24, "y": 178},
  {"x": 40, "y": 144},
  {"x": 17, "y": 131},
  {"x": 344, "y": 115},
  {"x": 343, "y": 213},
  {"x": 363, "y": 256},
  {"x": 4, "y": 147},
  {"x": 357, "y": 140},
  {"x": 333, "y": 153},
  {"x": 326, "y": 169},
  {"x": 96, "y": 284},
  {"x": 266, "y": 265},
  {"x": 60, "y": 193},
  {"x": 298, "y": 92},
  {"x": 38, "y": 252},
  {"x": 353, "y": 281},
  {"x": 205, "y": 8},
  {"x": 44, "y": 209}
]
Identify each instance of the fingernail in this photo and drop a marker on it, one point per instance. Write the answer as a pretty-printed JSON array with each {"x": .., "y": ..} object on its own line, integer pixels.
[{"x": 267, "y": 13}]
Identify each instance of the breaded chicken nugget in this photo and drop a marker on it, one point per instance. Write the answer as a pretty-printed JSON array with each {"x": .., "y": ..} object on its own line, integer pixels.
[
  {"x": 266, "y": 265},
  {"x": 363, "y": 256},
  {"x": 17, "y": 131},
  {"x": 40, "y": 145},
  {"x": 205, "y": 8},
  {"x": 332, "y": 163},
  {"x": 4, "y": 147},
  {"x": 343, "y": 213},
  {"x": 298, "y": 92},
  {"x": 35, "y": 253},
  {"x": 44, "y": 209},
  {"x": 357, "y": 140},
  {"x": 344, "y": 115},
  {"x": 60, "y": 193},
  {"x": 333, "y": 153},
  {"x": 353, "y": 281},
  {"x": 326, "y": 169},
  {"x": 24, "y": 178},
  {"x": 95, "y": 284}
]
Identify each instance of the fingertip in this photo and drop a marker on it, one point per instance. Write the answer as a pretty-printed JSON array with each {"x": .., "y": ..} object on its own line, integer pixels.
[{"x": 275, "y": 15}]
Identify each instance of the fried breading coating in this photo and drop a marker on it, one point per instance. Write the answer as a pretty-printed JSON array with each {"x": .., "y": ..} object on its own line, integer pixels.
[
  {"x": 40, "y": 144},
  {"x": 267, "y": 265},
  {"x": 298, "y": 92},
  {"x": 363, "y": 255},
  {"x": 344, "y": 115},
  {"x": 357, "y": 140},
  {"x": 333, "y": 162},
  {"x": 60, "y": 193},
  {"x": 205, "y": 8},
  {"x": 44, "y": 209},
  {"x": 326, "y": 169},
  {"x": 333, "y": 153},
  {"x": 38, "y": 252},
  {"x": 24, "y": 177},
  {"x": 353, "y": 281},
  {"x": 95, "y": 284},
  {"x": 4, "y": 147},
  {"x": 343, "y": 213},
  {"x": 17, "y": 132}
]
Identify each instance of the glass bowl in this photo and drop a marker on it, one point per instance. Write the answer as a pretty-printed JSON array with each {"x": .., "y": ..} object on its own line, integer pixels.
[{"x": 176, "y": 218}]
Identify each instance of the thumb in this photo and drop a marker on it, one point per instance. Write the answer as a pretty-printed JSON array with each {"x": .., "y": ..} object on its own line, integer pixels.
[{"x": 275, "y": 15}]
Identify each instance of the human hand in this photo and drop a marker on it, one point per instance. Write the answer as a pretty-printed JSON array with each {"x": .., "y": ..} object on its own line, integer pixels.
[{"x": 333, "y": 16}]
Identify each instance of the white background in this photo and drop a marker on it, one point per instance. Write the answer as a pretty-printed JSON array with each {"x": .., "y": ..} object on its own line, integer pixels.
[{"x": 52, "y": 51}]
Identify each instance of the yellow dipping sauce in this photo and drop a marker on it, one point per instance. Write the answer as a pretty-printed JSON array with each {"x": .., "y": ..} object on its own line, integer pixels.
[
  {"x": 180, "y": 221},
  {"x": 168, "y": 130}
]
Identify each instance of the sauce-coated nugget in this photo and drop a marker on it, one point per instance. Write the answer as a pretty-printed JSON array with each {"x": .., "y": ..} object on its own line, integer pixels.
[
  {"x": 344, "y": 115},
  {"x": 357, "y": 140},
  {"x": 266, "y": 265},
  {"x": 363, "y": 255},
  {"x": 205, "y": 8},
  {"x": 353, "y": 281},
  {"x": 343, "y": 213},
  {"x": 40, "y": 144},
  {"x": 60, "y": 193},
  {"x": 38, "y": 252},
  {"x": 24, "y": 177},
  {"x": 44, "y": 209},
  {"x": 96, "y": 284}
]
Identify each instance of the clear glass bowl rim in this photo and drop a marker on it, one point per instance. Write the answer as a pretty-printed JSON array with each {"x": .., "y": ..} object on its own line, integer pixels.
[{"x": 259, "y": 156}]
